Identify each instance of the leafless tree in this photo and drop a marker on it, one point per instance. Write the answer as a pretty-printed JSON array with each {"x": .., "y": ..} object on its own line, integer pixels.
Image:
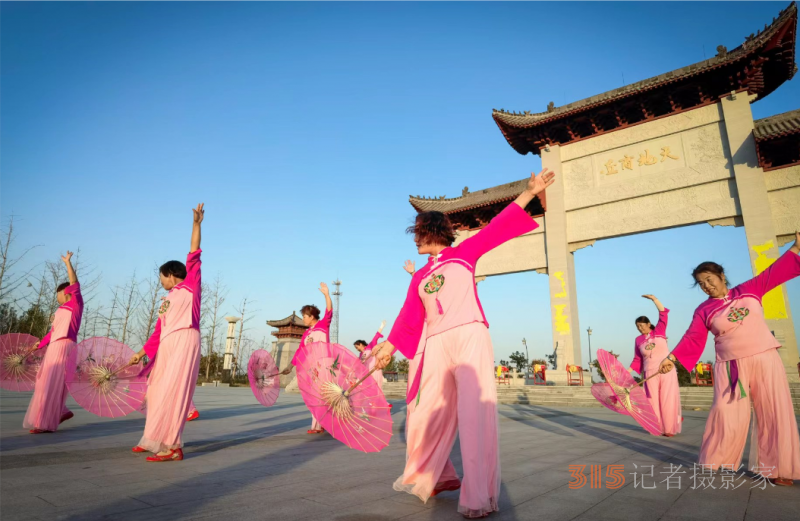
[
  {"x": 10, "y": 281},
  {"x": 217, "y": 293},
  {"x": 129, "y": 306},
  {"x": 148, "y": 312},
  {"x": 242, "y": 311}
]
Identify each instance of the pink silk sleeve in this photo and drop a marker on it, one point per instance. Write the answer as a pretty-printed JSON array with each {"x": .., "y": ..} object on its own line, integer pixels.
[
  {"x": 374, "y": 341},
  {"x": 691, "y": 346},
  {"x": 45, "y": 341},
  {"x": 661, "y": 327},
  {"x": 407, "y": 329},
  {"x": 325, "y": 323},
  {"x": 512, "y": 222},
  {"x": 785, "y": 268},
  {"x": 151, "y": 346},
  {"x": 636, "y": 365},
  {"x": 76, "y": 307},
  {"x": 193, "y": 263}
]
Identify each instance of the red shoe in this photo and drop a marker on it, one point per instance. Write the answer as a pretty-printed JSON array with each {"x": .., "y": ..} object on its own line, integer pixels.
[
  {"x": 668, "y": 435},
  {"x": 390, "y": 405},
  {"x": 193, "y": 416},
  {"x": 66, "y": 417},
  {"x": 138, "y": 449},
  {"x": 174, "y": 455},
  {"x": 38, "y": 431},
  {"x": 447, "y": 486},
  {"x": 784, "y": 482},
  {"x": 315, "y": 431}
]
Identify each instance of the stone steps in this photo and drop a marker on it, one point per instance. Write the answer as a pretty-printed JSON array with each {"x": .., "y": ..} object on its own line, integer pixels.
[{"x": 692, "y": 398}]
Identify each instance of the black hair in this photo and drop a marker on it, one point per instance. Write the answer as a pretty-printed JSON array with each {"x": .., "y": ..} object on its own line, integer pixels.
[
  {"x": 173, "y": 267},
  {"x": 61, "y": 287},
  {"x": 709, "y": 267},
  {"x": 310, "y": 310},
  {"x": 432, "y": 228},
  {"x": 644, "y": 320},
  {"x": 360, "y": 343}
]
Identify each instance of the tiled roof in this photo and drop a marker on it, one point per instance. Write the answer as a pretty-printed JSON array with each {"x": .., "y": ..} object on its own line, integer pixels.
[
  {"x": 777, "y": 126},
  {"x": 782, "y": 26},
  {"x": 506, "y": 192},
  {"x": 292, "y": 319}
]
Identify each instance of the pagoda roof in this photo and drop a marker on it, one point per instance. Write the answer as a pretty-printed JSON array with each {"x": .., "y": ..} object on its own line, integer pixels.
[
  {"x": 291, "y": 320},
  {"x": 777, "y": 126},
  {"x": 760, "y": 65},
  {"x": 469, "y": 200}
]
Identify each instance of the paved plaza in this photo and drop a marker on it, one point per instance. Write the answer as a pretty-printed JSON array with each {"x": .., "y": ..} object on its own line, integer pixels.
[{"x": 244, "y": 461}]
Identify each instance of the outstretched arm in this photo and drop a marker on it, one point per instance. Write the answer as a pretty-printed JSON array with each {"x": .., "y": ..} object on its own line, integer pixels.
[
  {"x": 199, "y": 213},
  {"x": 328, "y": 302},
  {"x": 536, "y": 185},
  {"x": 663, "y": 316},
  {"x": 657, "y": 302},
  {"x": 66, "y": 259}
]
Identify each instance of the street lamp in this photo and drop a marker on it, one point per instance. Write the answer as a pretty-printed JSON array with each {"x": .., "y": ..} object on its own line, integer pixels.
[
  {"x": 527, "y": 358},
  {"x": 589, "y": 331}
]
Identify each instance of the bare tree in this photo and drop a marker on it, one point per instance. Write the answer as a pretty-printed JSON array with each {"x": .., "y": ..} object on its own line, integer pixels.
[
  {"x": 148, "y": 313},
  {"x": 129, "y": 305},
  {"x": 242, "y": 311},
  {"x": 9, "y": 282},
  {"x": 217, "y": 293},
  {"x": 110, "y": 318}
]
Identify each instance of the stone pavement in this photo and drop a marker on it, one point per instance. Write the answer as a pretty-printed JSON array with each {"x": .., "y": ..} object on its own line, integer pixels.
[{"x": 244, "y": 461}]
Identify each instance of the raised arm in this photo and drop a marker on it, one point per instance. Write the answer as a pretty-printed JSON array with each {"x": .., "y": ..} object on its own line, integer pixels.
[
  {"x": 199, "y": 213},
  {"x": 410, "y": 267},
  {"x": 325, "y": 291},
  {"x": 784, "y": 269},
  {"x": 691, "y": 346},
  {"x": 66, "y": 259},
  {"x": 512, "y": 222},
  {"x": 663, "y": 316}
]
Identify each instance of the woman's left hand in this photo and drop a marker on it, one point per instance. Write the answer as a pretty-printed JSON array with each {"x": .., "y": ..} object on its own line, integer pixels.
[
  {"x": 796, "y": 246},
  {"x": 323, "y": 288}
]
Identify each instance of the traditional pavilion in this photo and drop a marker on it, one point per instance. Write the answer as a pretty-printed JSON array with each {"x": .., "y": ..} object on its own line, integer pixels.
[
  {"x": 677, "y": 149},
  {"x": 289, "y": 332}
]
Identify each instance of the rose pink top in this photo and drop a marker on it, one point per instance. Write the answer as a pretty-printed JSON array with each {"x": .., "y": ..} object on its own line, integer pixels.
[
  {"x": 651, "y": 349},
  {"x": 180, "y": 309},
  {"x": 319, "y": 333},
  {"x": 368, "y": 350},
  {"x": 67, "y": 319},
  {"x": 737, "y": 320},
  {"x": 451, "y": 297}
]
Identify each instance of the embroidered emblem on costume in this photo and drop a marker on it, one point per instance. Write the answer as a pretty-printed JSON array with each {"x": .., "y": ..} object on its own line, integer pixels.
[
  {"x": 435, "y": 284},
  {"x": 650, "y": 346},
  {"x": 164, "y": 307},
  {"x": 738, "y": 314}
]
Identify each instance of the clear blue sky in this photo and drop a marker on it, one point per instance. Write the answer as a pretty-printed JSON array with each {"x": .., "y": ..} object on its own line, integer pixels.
[{"x": 304, "y": 128}]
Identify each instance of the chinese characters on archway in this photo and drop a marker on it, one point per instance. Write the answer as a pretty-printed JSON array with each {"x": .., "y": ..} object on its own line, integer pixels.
[{"x": 615, "y": 166}]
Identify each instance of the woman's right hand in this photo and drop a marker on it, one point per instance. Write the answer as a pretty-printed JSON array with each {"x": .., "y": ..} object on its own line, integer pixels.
[
  {"x": 286, "y": 371},
  {"x": 796, "y": 246},
  {"x": 135, "y": 359},
  {"x": 666, "y": 366},
  {"x": 383, "y": 354},
  {"x": 410, "y": 267}
]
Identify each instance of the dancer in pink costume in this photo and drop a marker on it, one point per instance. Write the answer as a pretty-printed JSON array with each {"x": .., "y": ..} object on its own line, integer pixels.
[
  {"x": 443, "y": 331},
  {"x": 662, "y": 390},
  {"x": 48, "y": 406},
  {"x": 318, "y": 331},
  {"x": 365, "y": 350},
  {"x": 748, "y": 369},
  {"x": 176, "y": 341}
]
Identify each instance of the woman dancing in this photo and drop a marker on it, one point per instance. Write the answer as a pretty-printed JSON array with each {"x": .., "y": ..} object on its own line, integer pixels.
[
  {"x": 365, "y": 350},
  {"x": 443, "y": 331},
  {"x": 662, "y": 390},
  {"x": 748, "y": 369},
  {"x": 176, "y": 340},
  {"x": 318, "y": 331},
  {"x": 48, "y": 406}
]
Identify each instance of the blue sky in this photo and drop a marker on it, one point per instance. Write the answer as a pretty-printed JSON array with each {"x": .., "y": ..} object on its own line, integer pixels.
[{"x": 304, "y": 127}]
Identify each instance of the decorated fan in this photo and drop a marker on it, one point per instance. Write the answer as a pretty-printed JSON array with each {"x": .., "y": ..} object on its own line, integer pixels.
[
  {"x": 265, "y": 381},
  {"x": 100, "y": 379},
  {"x": 342, "y": 396},
  {"x": 606, "y": 396},
  {"x": 629, "y": 394},
  {"x": 20, "y": 361}
]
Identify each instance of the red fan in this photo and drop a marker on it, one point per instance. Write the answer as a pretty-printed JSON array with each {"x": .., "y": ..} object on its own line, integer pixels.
[
  {"x": 100, "y": 379},
  {"x": 20, "y": 362},
  {"x": 606, "y": 396},
  {"x": 265, "y": 382},
  {"x": 340, "y": 393},
  {"x": 630, "y": 395}
]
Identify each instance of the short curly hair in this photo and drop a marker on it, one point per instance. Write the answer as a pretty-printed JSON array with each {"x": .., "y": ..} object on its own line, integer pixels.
[
  {"x": 432, "y": 228},
  {"x": 310, "y": 310}
]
